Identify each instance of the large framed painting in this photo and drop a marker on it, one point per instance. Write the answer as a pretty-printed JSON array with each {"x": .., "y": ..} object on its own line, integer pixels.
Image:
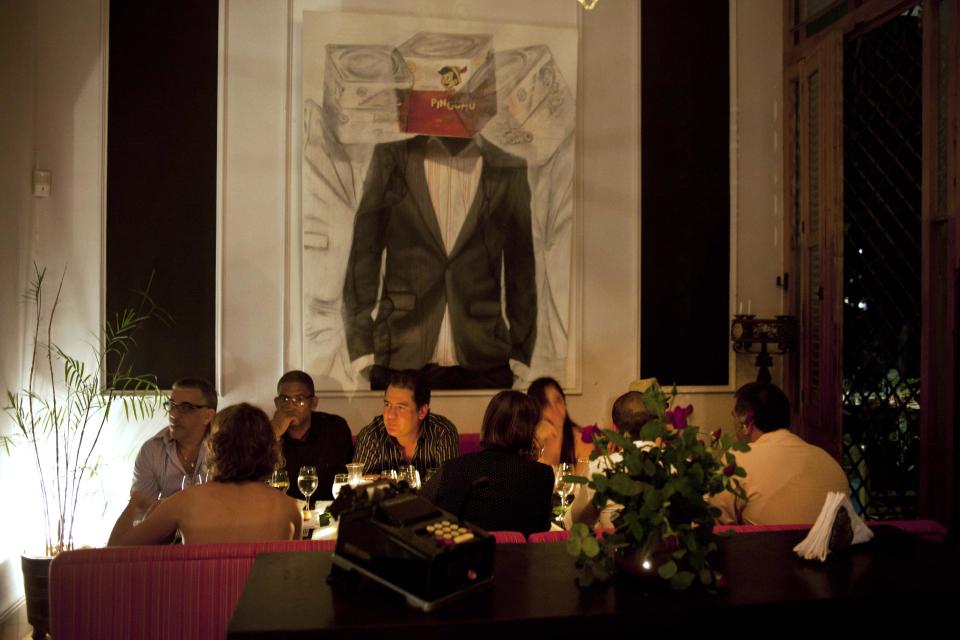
[{"x": 434, "y": 227}]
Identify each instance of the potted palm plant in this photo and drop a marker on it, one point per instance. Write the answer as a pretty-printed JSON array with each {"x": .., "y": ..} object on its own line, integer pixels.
[{"x": 60, "y": 414}]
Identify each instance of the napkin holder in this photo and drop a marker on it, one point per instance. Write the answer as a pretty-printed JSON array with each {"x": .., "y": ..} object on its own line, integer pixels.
[{"x": 390, "y": 536}]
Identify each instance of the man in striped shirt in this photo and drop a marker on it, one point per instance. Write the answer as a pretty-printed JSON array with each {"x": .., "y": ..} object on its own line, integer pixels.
[{"x": 407, "y": 433}]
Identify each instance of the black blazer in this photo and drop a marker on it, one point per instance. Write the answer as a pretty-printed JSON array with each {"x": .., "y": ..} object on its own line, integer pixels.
[
  {"x": 396, "y": 216},
  {"x": 515, "y": 498}
]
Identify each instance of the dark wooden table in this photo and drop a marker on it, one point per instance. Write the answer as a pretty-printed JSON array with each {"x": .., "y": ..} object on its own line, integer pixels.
[{"x": 893, "y": 582}]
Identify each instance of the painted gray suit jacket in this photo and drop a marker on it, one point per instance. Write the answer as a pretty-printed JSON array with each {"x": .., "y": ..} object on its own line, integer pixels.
[{"x": 396, "y": 215}]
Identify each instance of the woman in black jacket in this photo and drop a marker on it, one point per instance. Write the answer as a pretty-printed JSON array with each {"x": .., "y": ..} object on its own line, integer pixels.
[{"x": 502, "y": 487}]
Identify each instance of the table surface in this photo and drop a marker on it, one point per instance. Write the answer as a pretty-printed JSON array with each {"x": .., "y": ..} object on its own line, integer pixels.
[{"x": 871, "y": 586}]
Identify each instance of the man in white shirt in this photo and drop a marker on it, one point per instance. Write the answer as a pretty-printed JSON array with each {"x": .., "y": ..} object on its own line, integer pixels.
[
  {"x": 787, "y": 479},
  {"x": 176, "y": 455},
  {"x": 629, "y": 415}
]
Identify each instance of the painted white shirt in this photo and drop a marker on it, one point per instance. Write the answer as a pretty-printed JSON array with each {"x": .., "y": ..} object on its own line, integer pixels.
[{"x": 452, "y": 181}]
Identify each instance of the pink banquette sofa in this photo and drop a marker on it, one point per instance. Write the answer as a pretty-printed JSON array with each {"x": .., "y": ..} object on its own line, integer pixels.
[
  {"x": 189, "y": 592},
  {"x": 182, "y": 592}
]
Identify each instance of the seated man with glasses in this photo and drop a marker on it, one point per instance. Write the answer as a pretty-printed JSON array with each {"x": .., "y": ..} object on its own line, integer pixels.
[
  {"x": 176, "y": 456},
  {"x": 309, "y": 437}
]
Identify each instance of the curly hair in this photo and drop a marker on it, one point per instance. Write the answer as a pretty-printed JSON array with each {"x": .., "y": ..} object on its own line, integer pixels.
[{"x": 243, "y": 447}]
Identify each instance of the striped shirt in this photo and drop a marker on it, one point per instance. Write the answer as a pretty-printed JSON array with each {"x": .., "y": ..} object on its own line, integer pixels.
[
  {"x": 452, "y": 180},
  {"x": 378, "y": 450}
]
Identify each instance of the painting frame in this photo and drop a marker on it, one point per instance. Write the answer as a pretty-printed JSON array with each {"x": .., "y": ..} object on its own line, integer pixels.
[{"x": 294, "y": 307}]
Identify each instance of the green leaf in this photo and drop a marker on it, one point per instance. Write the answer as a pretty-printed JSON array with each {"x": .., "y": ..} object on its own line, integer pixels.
[
  {"x": 574, "y": 546},
  {"x": 682, "y": 580},
  {"x": 649, "y": 467},
  {"x": 652, "y": 499},
  {"x": 679, "y": 553},
  {"x": 599, "y": 483},
  {"x": 625, "y": 485},
  {"x": 695, "y": 473},
  {"x": 580, "y": 530},
  {"x": 590, "y": 547},
  {"x": 706, "y": 576},
  {"x": 651, "y": 431},
  {"x": 667, "y": 570},
  {"x": 620, "y": 440}
]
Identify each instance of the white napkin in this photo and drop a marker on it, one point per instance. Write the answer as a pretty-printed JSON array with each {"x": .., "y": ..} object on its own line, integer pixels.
[{"x": 817, "y": 544}]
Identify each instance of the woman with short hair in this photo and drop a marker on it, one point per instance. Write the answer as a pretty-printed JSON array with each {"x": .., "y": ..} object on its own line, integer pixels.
[
  {"x": 236, "y": 505},
  {"x": 501, "y": 487}
]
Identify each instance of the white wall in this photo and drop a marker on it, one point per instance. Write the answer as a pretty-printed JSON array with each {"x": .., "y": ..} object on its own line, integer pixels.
[
  {"x": 17, "y": 41},
  {"x": 66, "y": 229}
]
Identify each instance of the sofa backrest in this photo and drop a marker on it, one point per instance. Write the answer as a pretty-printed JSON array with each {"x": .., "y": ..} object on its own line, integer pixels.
[{"x": 175, "y": 591}]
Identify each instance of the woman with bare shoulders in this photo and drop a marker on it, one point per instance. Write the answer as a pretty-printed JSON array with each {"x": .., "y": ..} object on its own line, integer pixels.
[
  {"x": 557, "y": 434},
  {"x": 236, "y": 505}
]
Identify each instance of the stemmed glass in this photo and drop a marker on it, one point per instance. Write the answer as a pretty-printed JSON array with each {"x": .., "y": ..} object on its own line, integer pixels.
[
  {"x": 338, "y": 481},
  {"x": 411, "y": 475},
  {"x": 189, "y": 480},
  {"x": 280, "y": 480},
  {"x": 307, "y": 482},
  {"x": 562, "y": 487}
]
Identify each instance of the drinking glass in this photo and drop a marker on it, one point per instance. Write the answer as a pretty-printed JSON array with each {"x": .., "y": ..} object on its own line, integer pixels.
[
  {"x": 189, "y": 480},
  {"x": 411, "y": 475},
  {"x": 355, "y": 473},
  {"x": 338, "y": 481},
  {"x": 390, "y": 474},
  {"x": 280, "y": 480},
  {"x": 307, "y": 482},
  {"x": 561, "y": 487}
]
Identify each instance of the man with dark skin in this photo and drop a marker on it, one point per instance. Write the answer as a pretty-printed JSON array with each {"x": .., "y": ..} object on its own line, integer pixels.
[{"x": 307, "y": 436}]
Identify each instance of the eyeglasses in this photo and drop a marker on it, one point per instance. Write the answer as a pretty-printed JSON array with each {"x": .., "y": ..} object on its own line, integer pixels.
[
  {"x": 296, "y": 401},
  {"x": 183, "y": 407}
]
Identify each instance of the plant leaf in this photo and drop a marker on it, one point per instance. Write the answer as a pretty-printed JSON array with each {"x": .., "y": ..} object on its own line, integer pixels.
[
  {"x": 625, "y": 485},
  {"x": 590, "y": 547},
  {"x": 667, "y": 570},
  {"x": 682, "y": 580}
]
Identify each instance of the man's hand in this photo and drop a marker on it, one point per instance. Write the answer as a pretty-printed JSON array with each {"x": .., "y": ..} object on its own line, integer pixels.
[
  {"x": 281, "y": 422},
  {"x": 150, "y": 510},
  {"x": 142, "y": 503}
]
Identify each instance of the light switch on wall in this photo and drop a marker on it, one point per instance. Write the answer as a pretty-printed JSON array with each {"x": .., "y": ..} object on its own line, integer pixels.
[{"x": 41, "y": 183}]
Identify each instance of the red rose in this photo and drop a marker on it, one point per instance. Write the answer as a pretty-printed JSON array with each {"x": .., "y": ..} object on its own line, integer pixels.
[
  {"x": 678, "y": 417},
  {"x": 588, "y": 433}
]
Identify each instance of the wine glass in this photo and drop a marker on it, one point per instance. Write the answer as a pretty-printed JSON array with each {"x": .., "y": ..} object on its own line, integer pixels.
[
  {"x": 561, "y": 487},
  {"x": 411, "y": 475},
  {"x": 190, "y": 480},
  {"x": 307, "y": 482},
  {"x": 389, "y": 474},
  {"x": 280, "y": 480},
  {"x": 338, "y": 481}
]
